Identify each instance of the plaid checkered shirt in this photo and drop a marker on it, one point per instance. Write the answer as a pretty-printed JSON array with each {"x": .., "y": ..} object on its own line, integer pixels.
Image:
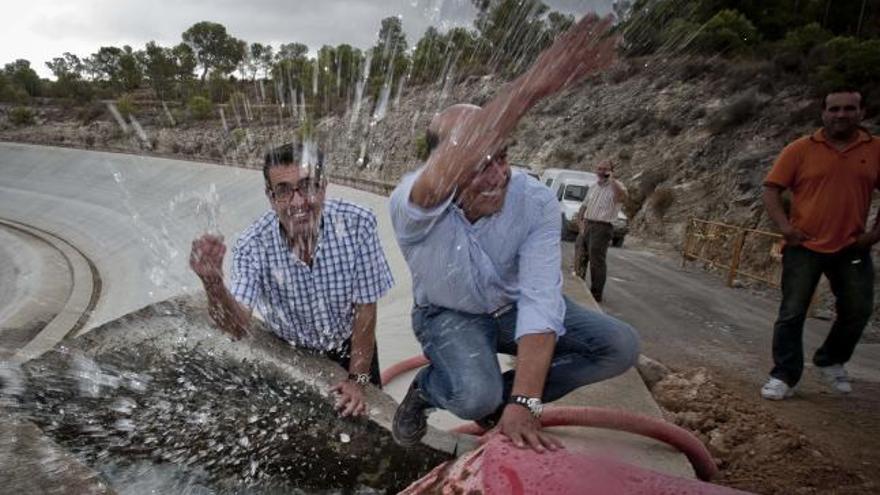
[{"x": 312, "y": 307}]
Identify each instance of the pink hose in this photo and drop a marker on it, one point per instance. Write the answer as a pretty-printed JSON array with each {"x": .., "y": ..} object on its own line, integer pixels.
[
  {"x": 402, "y": 367},
  {"x": 599, "y": 417}
]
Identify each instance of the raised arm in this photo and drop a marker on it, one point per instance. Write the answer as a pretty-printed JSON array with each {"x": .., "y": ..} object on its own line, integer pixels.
[
  {"x": 468, "y": 138},
  {"x": 206, "y": 260}
]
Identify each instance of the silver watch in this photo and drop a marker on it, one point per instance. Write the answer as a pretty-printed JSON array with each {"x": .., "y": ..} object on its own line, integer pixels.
[
  {"x": 361, "y": 379},
  {"x": 533, "y": 404}
]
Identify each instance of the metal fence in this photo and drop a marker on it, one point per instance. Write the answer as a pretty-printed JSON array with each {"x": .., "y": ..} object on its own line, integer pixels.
[{"x": 742, "y": 252}]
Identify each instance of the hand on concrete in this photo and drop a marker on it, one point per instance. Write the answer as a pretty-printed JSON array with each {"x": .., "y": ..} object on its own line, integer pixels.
[
  {"x": 794, "y": 237},
  {"x": 585, "y": 48},
  {"x": 206, "y": 257},
  {"x": 524, "y": 430},
  {"x": 350, "y": 400}
]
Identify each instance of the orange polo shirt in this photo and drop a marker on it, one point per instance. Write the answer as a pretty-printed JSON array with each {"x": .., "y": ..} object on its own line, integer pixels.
[{"x": 831, "y": 188}]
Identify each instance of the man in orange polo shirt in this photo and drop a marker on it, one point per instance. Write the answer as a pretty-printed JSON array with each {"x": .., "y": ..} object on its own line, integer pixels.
[{"x": 831, "y": 175}]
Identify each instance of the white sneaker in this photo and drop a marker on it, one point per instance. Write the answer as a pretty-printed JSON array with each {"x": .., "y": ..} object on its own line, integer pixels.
[
  {"x": 836, "y": 378},
  {"x": 776, "y": 389}
]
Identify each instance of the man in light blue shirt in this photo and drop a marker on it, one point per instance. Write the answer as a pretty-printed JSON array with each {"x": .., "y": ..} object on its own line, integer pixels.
[{"x": 483, "y": 248}]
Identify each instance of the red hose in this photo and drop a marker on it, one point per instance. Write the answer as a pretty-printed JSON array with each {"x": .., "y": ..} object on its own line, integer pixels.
[
  {"x": 639, "y": 424},
  {"x": 412, "y": 363},
  {"x": 598, "y": 417}
]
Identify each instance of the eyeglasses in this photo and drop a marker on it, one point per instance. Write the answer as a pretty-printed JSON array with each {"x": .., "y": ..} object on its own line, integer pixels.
[
  {"x": 498, "y": 158},
  {"x": 307, "y": 188}
]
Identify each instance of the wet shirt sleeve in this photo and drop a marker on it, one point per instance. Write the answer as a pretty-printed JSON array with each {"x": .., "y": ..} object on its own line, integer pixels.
[
  {"x": 372, "y": 274},
  {"x": 540, "y": 308},
  {"x": 247, "y": 287},
  {"x": 784, "y": 171},
  {"x": 411, "y": 222}
]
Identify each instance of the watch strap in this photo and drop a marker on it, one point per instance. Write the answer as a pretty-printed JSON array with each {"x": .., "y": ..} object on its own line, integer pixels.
[{"x": 362, "y": 379}]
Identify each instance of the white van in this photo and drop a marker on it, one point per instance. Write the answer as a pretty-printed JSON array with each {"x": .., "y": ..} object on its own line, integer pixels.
[{"x": 570, "y": 188}]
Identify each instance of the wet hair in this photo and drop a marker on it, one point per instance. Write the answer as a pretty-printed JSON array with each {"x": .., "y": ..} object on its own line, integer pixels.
[
  {"x": 292, "y": 154},
  {"x": 844, "y": 89}
]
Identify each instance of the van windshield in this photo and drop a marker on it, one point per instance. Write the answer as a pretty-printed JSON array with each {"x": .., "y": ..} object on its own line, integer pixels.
[{"x": 575, "y": 193}]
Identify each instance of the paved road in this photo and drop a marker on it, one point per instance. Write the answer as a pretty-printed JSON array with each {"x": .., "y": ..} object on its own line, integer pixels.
[
  {"x": 689, "y": 317},
  {"x": 34, "y": 283}
]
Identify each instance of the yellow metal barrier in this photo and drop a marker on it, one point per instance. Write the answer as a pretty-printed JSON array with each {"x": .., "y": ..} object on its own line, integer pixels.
[{"x": 732, "y": 248}]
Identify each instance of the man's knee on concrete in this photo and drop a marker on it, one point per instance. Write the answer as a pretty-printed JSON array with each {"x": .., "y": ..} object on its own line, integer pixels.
[{"x": 625, "y": 346}]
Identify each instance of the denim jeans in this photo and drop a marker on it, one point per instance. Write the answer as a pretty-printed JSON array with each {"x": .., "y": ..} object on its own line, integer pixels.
[
  {"x": 464, "y": 376},
  {"x": 851, "y": 276}
]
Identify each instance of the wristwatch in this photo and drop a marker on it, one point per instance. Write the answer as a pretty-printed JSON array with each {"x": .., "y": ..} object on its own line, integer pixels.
[
  {"x": 361, "y": 379},
  {"x": 533, "y": 404}
]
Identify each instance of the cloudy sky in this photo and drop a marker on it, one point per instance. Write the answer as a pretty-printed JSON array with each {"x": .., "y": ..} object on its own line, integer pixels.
[{"x": 38, "y": 30}]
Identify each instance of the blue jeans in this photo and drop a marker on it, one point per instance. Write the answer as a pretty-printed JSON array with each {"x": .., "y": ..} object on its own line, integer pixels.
[
  {"x": 851, "y": 276},
  {"x": 465, "y": 379}
]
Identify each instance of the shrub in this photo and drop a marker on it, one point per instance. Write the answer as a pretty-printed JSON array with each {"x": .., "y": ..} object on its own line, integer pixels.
[
  {"x": 728, "y": 32},
  {"x": 564, "y": 156},
  {"x": 845, "y": 60},
  {"x": 679, "y": 35},
  {"x": 661, "y": 200},
  {"x": 219, "y": 87},
  {"x": 734, "y": 114},
  {"x": 200, "y": 108},
  {"x": 125, "y": 105},
  {"x": 238, "y": 136},
  {"x": 805, "y": 38},
  {"x": 11, "y": 92},
  {"x": 91, "y": 112},
  {"x": 421, "y": 147},
  {"x": 21, "y": 116}
]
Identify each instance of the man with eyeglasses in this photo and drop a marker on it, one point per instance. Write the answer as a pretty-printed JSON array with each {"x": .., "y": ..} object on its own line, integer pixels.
[
  {"x": 314, "y": 269},
  {"x": 483, "y": 247}
]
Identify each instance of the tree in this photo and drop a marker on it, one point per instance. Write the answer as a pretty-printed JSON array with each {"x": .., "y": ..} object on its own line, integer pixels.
[
  {"x": 214, "y": 48},
  {"x": 255, "y": 56},
  {"x": 429, "y": 56},
  {"x": 68, "y": 67},
  {"x": 389, "y": 60},
  {"x": 292, "y": 51},
  {"x": 293, "y": 71},
  {"x": 20, "y": 74},
  {"x": 117, "y": 66},
  {"x": 265, "y": 61},
  {"x": 513, "y": 31},
  {"x": 185, "y": 61},
  {"x": 104, "y": 64},
  {"x": 68, "y": 70},
  {"x": 160, "y": 68},
  {"x": 130, "y": 75}
]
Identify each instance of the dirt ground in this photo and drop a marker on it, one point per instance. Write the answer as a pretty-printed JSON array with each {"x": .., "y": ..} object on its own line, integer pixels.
[
  {"x": 716, "y": 341},
  {"x": 758, "y": 449}
]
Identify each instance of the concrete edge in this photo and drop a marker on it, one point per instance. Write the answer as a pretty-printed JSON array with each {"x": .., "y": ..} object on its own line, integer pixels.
[{"x": 84, "y": 293}]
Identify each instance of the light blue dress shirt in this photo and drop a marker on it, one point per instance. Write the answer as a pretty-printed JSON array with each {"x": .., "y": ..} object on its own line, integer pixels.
[{"x": 512, "y": 256}]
